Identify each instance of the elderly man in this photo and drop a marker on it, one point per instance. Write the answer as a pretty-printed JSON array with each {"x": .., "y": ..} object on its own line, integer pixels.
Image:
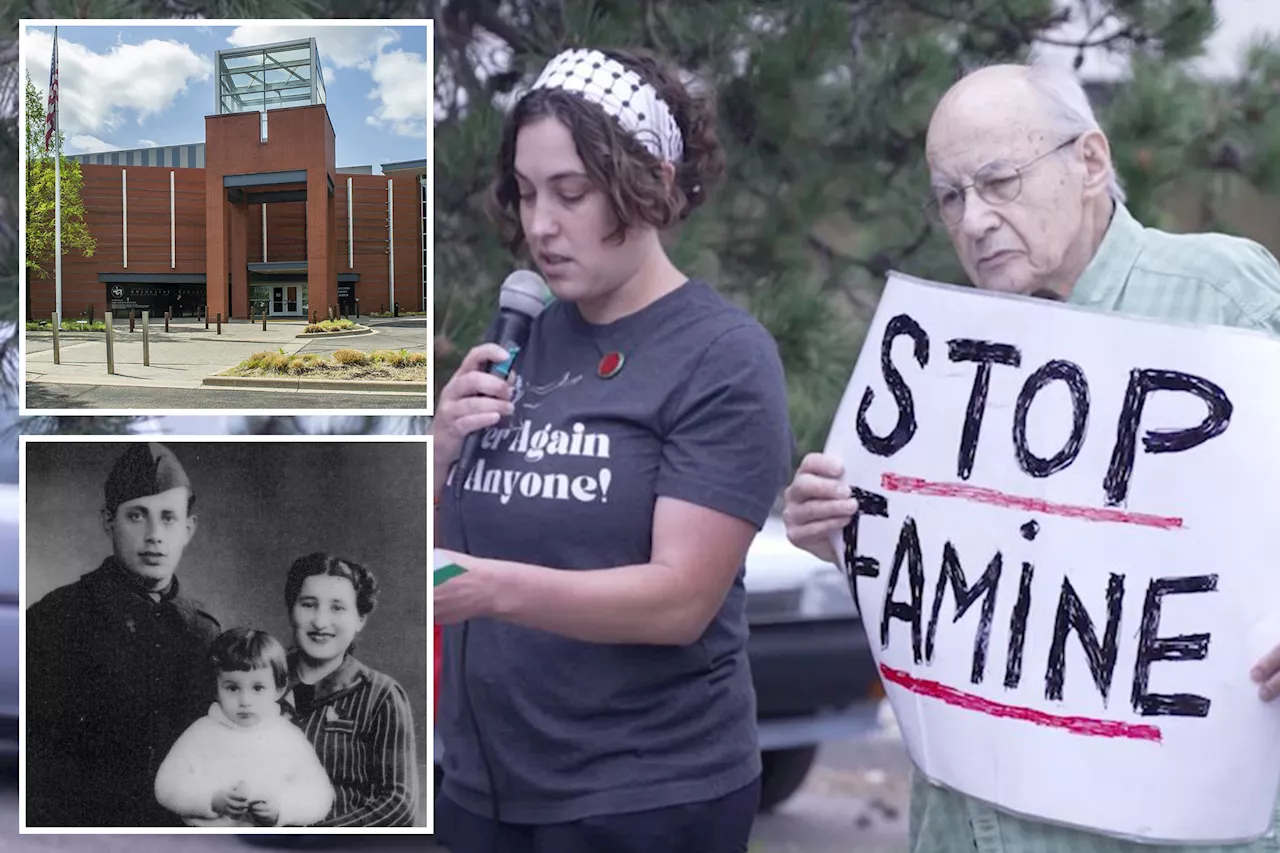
[{"x": 1023, "y": 182}]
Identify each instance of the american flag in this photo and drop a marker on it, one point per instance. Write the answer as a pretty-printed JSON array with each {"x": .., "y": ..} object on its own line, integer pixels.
[{"x": 51, "y": 113}]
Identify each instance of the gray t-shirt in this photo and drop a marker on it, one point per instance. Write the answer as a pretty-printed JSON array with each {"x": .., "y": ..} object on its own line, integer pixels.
[{"x": 698, "y": 412}]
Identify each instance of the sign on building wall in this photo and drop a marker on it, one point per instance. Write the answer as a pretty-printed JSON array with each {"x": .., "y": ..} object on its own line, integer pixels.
[{"x": 184, "y": 300}]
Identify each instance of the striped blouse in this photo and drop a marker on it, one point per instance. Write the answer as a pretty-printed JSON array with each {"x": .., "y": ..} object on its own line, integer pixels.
[{"x": 361, "y": 725}]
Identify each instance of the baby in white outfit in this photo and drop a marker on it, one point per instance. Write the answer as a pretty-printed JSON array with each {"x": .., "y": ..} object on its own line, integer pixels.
[{"x": 244, "y": 764}]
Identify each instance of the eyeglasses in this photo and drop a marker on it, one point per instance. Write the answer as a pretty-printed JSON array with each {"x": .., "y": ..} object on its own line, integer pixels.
[{"x": 995, "y": 183}]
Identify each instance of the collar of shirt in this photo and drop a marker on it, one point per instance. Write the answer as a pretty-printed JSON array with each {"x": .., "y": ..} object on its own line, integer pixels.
[
  {"x": 1102, "y": 282},
  {"x": 120, "y": 575},
  {"x": 348, "y": 674}
]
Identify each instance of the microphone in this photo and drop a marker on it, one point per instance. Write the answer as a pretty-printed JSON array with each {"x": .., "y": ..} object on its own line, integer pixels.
[{"x": 523, "y": 296}]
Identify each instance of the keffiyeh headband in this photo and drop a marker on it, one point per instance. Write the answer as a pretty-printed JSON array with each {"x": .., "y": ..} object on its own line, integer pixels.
[{"x": 621, "y": 93}]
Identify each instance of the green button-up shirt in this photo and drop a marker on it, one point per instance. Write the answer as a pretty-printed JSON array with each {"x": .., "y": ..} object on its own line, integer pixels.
[{"x": 1202, "y": 278}]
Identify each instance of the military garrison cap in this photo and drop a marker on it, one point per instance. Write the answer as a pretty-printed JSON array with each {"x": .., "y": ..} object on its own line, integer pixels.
[{"x": 146, "y": 468}]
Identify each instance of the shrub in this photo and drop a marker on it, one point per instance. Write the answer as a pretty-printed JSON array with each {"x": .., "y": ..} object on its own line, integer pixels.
[
  {"x": 329, "y": 326},
  {"x": 350, "y": 356},
  {"x": 395, "y": 358}
]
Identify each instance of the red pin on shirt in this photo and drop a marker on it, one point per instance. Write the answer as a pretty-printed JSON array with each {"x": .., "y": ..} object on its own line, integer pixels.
[{"x": 611, "y": 365}]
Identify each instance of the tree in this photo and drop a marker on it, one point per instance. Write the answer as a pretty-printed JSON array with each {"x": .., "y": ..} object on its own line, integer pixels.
[
  {"x": 40, "y": 200},
  {"x": 333, "y": 425},
  {"x": 823, "y": 108}
]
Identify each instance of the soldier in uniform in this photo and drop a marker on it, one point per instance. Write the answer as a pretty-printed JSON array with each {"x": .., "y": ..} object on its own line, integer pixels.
[{"x": 117, "y": 660}]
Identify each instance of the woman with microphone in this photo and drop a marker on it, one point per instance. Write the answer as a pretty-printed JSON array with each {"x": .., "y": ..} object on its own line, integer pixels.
[{"x": 595, "y": 692}]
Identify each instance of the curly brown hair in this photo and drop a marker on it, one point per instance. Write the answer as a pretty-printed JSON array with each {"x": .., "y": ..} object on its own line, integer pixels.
[{"x": 616, "y": 162}]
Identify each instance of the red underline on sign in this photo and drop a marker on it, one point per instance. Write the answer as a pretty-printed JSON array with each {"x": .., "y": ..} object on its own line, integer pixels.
[
  {"x": 979, "y": 494},
  {"x": 1075, "y": 725}
]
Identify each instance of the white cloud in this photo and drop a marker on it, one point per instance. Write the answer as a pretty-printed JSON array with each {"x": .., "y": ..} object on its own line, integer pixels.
[
  {"x": 84, "y": 143},
  {"x": 100, "y": 91},
  {"x": 147, "y": 143},
  {"x": 402, "y": 93},
  {"x": 329, "y": 76},
  {"x": 341, "y": 47}
]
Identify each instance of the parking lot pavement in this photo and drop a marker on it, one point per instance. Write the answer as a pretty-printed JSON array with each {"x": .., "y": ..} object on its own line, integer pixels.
[
  {"x": 855, "y": 799},
  {"x": 408, "y": 333}
]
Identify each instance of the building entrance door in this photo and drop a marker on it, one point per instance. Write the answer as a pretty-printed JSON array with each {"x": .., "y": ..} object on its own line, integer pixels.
[{"x": 284, "y": 301}]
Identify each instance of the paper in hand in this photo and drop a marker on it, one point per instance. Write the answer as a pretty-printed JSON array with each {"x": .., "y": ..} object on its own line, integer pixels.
[{"x": 443, "y": 568}]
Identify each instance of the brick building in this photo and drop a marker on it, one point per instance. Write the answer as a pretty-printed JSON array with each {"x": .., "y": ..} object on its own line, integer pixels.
[{"x": 256, "y": 216}]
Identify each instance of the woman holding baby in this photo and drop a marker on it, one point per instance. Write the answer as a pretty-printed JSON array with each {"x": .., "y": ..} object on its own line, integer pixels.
[{"x": 357, "y": 720}]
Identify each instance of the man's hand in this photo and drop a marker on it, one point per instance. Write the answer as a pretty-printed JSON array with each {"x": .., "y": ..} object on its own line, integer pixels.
[
  {"x": 817, "y": 505},
  {"x": 231, "y": 801},
  {"x": 1266, "y": 673},
  {"x": 265, "y": 811}
]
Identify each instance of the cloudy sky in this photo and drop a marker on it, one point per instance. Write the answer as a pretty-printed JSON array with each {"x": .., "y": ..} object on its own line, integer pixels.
[{"x": 133, "y": 85}]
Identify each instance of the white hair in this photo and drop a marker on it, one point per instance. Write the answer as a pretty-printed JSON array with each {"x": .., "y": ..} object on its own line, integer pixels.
[{"x": 1069, "y": 109}]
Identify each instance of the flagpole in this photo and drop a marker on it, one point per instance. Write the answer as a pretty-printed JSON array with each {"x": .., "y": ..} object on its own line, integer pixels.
[{"x": 57, "y": 193}]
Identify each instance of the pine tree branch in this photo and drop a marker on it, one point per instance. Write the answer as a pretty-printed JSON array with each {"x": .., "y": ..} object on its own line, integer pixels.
[
  {"x": 486, "y": 15},
  {"x": 1123, "y": 34},
  {"x": 1024, "y": 29},
  {"x": 651, "y": 30},
  {"x": 183, "y": 10},
  {"x": 879, "y": 263},
  {"x": 395, "y": 9}
]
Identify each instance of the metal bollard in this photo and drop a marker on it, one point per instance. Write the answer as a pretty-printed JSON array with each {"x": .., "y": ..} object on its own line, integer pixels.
[
  {"x": 357, "y": 308},
  {"x": 146, "y": 338},
  {"x": 166, "y": 319},
  {"x": 219, "y": 322},
  {"x": 206, "y": 316},
  {"x": 130, "y": 321},
  {"x": 111, "y": 339},
  {"x": 57, "y": 353},
  {"x": 264, "y": 319}
]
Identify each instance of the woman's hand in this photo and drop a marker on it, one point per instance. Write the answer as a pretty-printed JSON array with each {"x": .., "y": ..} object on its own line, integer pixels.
[
  {"x": 471, "y": 400},
  {"x": 465, "y": 596}
]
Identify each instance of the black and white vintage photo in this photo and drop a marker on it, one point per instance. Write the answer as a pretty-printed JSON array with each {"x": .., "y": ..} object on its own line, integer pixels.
[{"x": 225, "y": 634}]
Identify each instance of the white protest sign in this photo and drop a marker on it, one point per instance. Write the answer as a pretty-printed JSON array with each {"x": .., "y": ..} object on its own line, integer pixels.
[{"x": 1067, "y": 556}]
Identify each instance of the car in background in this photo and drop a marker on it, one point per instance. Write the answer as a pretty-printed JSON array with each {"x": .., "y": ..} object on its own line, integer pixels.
[{"x": 814, "y": 673}]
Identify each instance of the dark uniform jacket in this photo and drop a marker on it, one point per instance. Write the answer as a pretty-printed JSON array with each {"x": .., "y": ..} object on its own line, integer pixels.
[{"x": 113, "y": 678}]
